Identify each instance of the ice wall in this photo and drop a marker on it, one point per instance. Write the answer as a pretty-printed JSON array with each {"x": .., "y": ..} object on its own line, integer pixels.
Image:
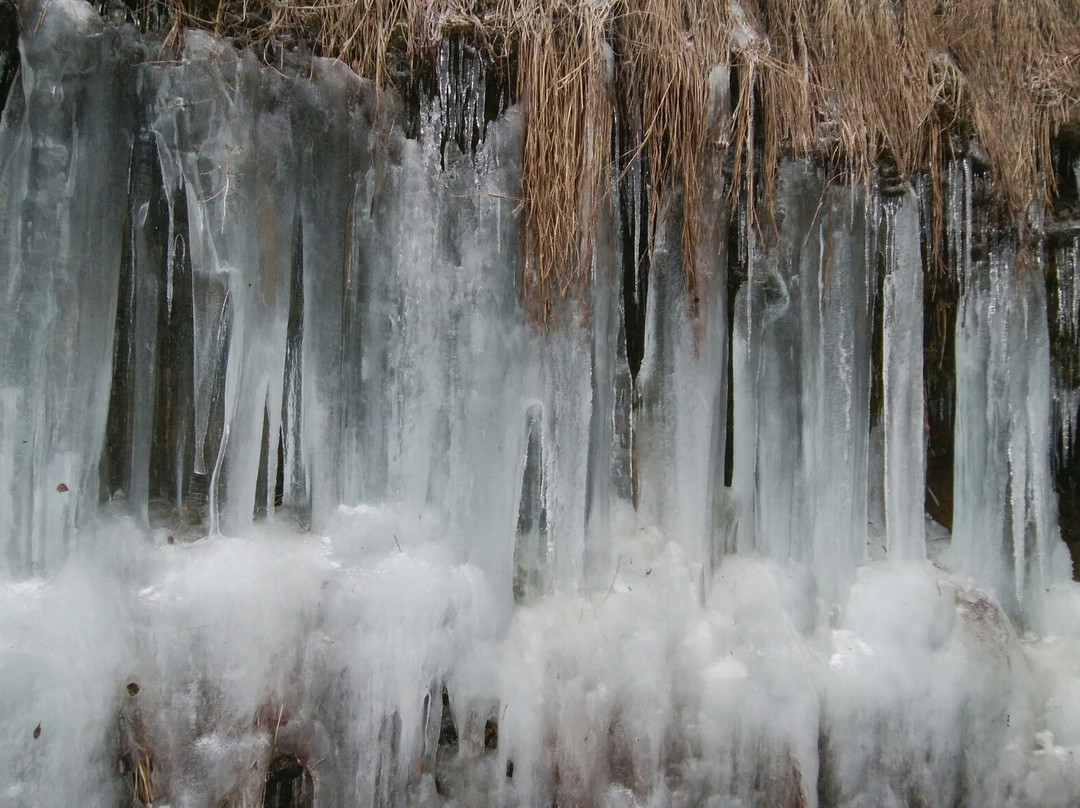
[
  {"x": 291, "y": 484},
  {"x": 1005, "y": 531},
  {"x": 66, "y": 143},
  {"x": 801, "y": 372}
]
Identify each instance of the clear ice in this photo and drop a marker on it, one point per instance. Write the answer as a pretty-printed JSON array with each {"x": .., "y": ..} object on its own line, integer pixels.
[{"x": 286, "y": 473}]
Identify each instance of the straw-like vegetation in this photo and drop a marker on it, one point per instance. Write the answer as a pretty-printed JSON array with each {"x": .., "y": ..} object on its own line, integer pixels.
[
  {"x": 669, "y": 49},
  {"x": 861, "y": 79},
  {"x": 851, "y": 82},
  {"x": 136, "y": 758},
  {"x": 142, "y": 783},
  {"x": 564, "y": 77}
]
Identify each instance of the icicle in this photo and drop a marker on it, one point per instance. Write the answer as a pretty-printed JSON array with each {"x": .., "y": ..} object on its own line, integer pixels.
[
  {"x": 608, "y": 456},
  {"x": 1005, "y": 529},
  {"x": 1068, "y": 281},
  {"x": 960, "y": 221},
  {"x": 241, "y": 224},
  {"x": 835, "y": 395},
  {"x": 682, "y": 386},
  {"x": 532, "y": 551},
  {"x": 1067, "y": 396},
  {"x": 801, "y": 376},
  {"x": 149, "y": 233},
  {"x": 902, "y": 371},
  {"x": 66, "y": 144}
]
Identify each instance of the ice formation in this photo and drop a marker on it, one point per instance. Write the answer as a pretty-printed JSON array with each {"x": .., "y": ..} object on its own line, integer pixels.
[{"x": 292, "y": 492}]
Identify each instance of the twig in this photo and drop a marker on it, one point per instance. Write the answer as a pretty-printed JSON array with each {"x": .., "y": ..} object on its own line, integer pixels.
[{"x": 613, "y": 577}]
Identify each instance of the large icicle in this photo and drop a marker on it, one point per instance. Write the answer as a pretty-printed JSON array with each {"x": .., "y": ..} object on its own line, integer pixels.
[
  {"x": 680, "y": 413},
  {"x": 835, "y": 389},
  {"x": 679, "y": 421},
  {"x": 609, "y": 436},
  {"x": 801, "y": 376},
  {"x": 1066, "y": 391},
  {"x": 233, "y": 148},
  {"x": 333, "y": 122},
  {"x": 1005, "y": 531},
  {"x": 902, "y": 372},
  {"x": 66, "y": 141}
]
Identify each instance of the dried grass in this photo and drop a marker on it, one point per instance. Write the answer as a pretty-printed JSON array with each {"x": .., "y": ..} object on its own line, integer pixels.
[
  {"x": 564, "y": 76},
  {"x": 855, "y": 80},
  {"x": 142, "y": 781},
  {"x": 670, "y": 48},
  {"x": 850, "y": 82},
  {"x": 1021, "y": 61},
  {"x": 139, "y": 764},
  {"x": 136, "y": 755}
]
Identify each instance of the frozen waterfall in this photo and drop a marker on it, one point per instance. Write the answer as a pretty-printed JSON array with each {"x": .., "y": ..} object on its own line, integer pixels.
[{"x": 299, "y": 508}]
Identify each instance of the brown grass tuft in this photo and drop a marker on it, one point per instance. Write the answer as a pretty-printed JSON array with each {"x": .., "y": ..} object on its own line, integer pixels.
[
  {"x": 142, "y": 781},
  {"x": 849, "y": 82},
  {"x": 564, "y": 75},
  {"x": 670, "y": 48}
]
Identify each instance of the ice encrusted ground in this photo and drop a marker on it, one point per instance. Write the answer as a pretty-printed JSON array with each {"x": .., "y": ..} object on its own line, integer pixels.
[{"x": 650, "y": 692}]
